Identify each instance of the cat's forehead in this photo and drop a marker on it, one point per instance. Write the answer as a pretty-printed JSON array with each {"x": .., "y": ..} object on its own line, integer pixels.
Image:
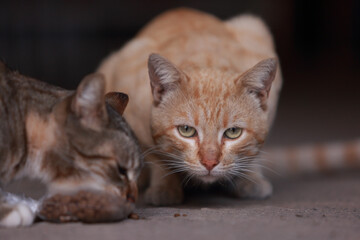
[
  {"x": 210, "y": 85},
  {"x": 206, "y": 76},
  {"x": 211, "y": 99}
]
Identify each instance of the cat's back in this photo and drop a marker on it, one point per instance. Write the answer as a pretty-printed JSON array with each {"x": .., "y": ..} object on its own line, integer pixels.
[
  {"x": 8, "y": 88},
  {"x": 3, "y": 68},
  {"x": 4, "y": 76},
  {"x": 190, "y": 39},
  {"x": 171, "y": 33},
  {"x": 19, "y": 91},
  {"x": 181, "y": 22},
  {"x": 183, "y": 32}
]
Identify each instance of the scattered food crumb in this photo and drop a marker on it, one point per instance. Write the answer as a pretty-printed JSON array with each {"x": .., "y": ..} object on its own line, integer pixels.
[
  {"x": 134, "y": 216},
  {"x": 176, "y": 215},
  {"x": 299, "y": 215},
  {"x": 184, "y": 215}
]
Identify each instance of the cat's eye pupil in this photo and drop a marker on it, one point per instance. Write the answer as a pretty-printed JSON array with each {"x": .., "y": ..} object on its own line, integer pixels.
[
  {"x": 233, "y": 132},
  {"x": 186, "y": 131}
]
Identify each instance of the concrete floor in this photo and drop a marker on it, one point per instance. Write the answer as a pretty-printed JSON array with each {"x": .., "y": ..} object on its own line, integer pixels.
[{"x": 313, "y": 207}]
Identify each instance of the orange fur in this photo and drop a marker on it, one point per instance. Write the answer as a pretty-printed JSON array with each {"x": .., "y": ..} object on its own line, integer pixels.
[{"x": 213, "y": 61}]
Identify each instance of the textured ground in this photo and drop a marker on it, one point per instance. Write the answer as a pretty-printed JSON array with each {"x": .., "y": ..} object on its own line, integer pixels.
[{"x": 314, "y": 207}]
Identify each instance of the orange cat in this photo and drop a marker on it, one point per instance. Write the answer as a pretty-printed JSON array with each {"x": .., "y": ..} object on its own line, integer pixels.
[{"x": 203, "y": 103}]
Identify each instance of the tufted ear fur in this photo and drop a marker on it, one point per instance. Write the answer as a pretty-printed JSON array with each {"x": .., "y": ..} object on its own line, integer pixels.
[
  {"x": 117, "y": 100},
  {"x": 164, "y": 76},
  {"x": 259, "y": 78},
  {"x": 89, "y": 101}
]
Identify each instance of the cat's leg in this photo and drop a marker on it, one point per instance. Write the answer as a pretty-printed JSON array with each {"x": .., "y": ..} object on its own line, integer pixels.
[
  {"x": 165, "y": 189},
  {"x": 254, "y": 186},
  {"x": 16, "y": 211}
]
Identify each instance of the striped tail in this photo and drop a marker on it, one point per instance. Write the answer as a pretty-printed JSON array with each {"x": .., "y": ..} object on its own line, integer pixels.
[{"x": 313, "y": 158}]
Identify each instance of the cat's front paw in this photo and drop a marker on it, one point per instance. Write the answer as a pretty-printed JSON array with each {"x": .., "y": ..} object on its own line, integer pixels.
[
  {"x": 16, "y": 216},
  {"x": 259, "y": 189},
  {"x": 162, "y": 195}
]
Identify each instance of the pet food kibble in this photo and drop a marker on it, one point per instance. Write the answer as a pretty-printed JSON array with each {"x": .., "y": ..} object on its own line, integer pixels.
[{"x": 134, "y": 216}]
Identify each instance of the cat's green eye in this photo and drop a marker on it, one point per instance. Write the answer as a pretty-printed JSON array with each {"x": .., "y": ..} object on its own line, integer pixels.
[
  {"x": 186, "y": 131},
  {"x": 233, "y": 132}
]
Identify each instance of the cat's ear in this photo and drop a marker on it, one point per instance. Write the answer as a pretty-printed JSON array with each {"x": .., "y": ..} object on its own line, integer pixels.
[
  {"x": 164, "y": 76},
  {"x": 117, "y": 100},
  {"x": 259, "y": 78},
  {"x": 89, "y": 101}
]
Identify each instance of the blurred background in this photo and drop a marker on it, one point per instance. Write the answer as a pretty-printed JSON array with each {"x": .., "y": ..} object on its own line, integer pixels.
[{"x": 318, "y": 44}]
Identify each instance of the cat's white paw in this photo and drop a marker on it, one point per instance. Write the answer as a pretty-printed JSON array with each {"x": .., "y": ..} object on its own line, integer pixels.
[
  {"x": 20, "y": 215},
  {"x": 259, "y": 189}
]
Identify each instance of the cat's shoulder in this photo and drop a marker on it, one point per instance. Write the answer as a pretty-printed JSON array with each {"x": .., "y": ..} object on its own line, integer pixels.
[{"x": 252, "y": 26}]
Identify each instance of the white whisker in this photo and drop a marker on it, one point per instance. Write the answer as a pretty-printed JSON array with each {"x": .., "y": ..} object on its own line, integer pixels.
[
  {"x": 178, "y": 170},
  {"x": 187, "y": 179}
]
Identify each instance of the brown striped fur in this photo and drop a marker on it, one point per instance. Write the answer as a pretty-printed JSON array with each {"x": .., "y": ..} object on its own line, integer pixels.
[
  {"x": 71, "y": 140},
  {"x": 208, "y": 74}
]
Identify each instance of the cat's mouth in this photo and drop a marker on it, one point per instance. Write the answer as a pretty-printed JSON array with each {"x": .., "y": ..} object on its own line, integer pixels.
[{"x": 209, "y": 176}]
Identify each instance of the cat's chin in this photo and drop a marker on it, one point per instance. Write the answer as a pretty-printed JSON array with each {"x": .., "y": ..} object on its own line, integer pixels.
[{"x": 208, "y": 179}]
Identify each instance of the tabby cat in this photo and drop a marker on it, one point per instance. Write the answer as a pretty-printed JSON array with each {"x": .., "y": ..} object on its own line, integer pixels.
[
  {"x": 203, "y": 101},
  {"x": 71, "y": 140}
]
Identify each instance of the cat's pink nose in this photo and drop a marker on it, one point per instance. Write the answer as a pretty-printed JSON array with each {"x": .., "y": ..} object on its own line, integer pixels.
[
  {"x": 209, "y": 157},
  {"x": 209, "y": 164}
]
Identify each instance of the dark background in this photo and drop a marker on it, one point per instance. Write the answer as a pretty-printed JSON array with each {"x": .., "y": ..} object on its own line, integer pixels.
[{"x": 318, "y": 44}]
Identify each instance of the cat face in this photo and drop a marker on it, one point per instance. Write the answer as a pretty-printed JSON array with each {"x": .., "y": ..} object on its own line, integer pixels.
[
  {"x": 210, "y": 123},
  {"x": 93, "y": 142}
]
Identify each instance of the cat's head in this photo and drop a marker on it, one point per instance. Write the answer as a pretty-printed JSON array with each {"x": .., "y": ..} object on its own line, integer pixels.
[
  {"x": 210, "y": 123},
  {"x": 94, "y": 144}
]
